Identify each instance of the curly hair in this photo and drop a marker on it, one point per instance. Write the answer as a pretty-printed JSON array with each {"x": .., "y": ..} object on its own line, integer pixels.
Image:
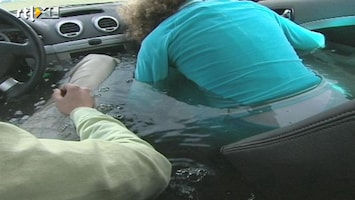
[{"x": 143, "y": 16}]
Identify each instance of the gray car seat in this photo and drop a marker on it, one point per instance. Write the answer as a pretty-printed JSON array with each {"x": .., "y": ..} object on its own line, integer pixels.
[{"x": 312, "y": 159}]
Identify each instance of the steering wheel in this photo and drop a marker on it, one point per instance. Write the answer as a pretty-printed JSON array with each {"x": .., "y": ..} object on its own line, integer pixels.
[{"x": 12, "y": 52}]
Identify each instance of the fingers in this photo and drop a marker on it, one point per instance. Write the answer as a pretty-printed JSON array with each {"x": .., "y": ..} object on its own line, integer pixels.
[
  {"x": 69, "y": 87},
  {"x": 71, "y": 96},
  {"x": 57, "y": 94}
]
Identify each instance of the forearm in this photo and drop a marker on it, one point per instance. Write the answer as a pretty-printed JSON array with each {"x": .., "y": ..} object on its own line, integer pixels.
[
  {"x": 301, "y": 38},
  {"x": 92, "y": 124},
  {"x": 139, "y": 159}
]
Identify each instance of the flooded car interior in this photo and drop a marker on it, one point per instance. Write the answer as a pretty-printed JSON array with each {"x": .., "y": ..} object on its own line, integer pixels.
[{"x": 312, "y": 159}]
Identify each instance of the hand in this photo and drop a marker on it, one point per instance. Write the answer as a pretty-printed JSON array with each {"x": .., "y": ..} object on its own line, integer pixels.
[{"x": 72, "y": 96}]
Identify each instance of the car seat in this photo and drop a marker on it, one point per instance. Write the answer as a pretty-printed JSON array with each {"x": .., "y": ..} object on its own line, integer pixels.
[{"x": 311, "y": 159}]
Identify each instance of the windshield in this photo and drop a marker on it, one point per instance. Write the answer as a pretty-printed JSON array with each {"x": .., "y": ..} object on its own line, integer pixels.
[{"x": 12, "y": 5}]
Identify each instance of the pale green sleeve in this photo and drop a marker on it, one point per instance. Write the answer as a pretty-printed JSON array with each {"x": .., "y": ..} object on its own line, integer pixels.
[{"x": 109, "y": 163}]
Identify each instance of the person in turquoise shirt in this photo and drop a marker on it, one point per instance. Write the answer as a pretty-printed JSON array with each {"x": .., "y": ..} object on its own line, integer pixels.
[
  {"x": 110, "y": 162},
  {"x": 238, "y": 51}
]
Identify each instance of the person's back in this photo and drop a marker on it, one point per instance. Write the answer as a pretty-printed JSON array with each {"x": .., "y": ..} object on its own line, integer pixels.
[{"x": 237, "y": 50}]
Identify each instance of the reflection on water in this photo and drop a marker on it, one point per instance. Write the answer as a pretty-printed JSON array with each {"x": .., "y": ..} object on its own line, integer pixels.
[
  {"x": 189, "y": 133},
  {"x": 337, "y": 64}
]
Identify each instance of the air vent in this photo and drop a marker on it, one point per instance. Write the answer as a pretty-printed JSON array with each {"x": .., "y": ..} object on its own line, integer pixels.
[
  {"x": 106, "y": 23},
  {"x": 69, "y": 28}
]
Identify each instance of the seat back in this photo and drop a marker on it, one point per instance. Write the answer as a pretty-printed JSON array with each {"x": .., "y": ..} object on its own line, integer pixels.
[{"x": 312, "y": 159}]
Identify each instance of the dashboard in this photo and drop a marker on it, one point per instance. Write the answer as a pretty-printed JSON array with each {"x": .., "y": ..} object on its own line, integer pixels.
[{"x": 77, "y": 31}]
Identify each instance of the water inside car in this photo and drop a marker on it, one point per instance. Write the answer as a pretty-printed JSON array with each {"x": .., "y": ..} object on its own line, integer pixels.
[{"x": 188, "y": 133}]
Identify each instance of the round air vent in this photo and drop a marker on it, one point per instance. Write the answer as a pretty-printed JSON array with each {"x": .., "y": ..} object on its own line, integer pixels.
[
  {"x": 106, "y": 23},
  {"x": 69, "y": 28}
]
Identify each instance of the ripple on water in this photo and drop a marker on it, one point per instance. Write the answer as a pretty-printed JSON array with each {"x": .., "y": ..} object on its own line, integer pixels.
[{"x": 187, "y": 174}]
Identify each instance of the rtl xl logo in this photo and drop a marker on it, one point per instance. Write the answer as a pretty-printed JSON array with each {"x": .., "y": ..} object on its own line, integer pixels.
[{"x": 33, "y": 13}]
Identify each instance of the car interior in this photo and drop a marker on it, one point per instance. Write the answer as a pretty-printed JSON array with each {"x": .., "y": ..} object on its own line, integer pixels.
[
  {"x": 312, "y": 159},
  {"x": 84, "y": 29}
]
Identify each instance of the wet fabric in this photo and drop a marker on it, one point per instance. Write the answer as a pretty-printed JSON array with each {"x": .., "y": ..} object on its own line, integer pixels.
[
  {"x": 92, "y": 70},
  {"x": 110, "y": 162},
  {"x": 239, "y": 51}
]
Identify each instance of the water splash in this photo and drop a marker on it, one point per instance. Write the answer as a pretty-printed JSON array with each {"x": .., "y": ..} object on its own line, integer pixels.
[
  {"x": 188, "y": 175},
  {"x": 38, "y": 105},
  {"x": 112, "y": 110},
  {"x": 184, "y": 181},
  {"x": 104, "y": 89},
  {"x": 105, "y": 108},
  {"x": 18, "y": 119},
  {"x": 252, "y": 196},
  {"x": 63, "y": 127},
  {"x": 193, "y": 175},
  {"x": 185, "y": 191}
]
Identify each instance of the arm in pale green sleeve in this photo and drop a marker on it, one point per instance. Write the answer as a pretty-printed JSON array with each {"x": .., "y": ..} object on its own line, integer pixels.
[
  {"x": 299, "y": 37},
  {"x": 147, "y": 171},
  {"x": 109, "y": 163}
]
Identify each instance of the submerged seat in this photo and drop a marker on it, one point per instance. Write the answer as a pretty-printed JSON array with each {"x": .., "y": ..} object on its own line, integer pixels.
[{"x": 312, "y": 159}]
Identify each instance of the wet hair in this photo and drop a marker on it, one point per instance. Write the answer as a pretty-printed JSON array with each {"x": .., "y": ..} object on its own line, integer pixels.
[{"x": 143, "y": 16}]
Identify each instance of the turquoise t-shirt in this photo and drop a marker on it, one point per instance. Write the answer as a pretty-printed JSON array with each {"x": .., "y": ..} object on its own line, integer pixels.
[{"x": 240, "y": 51}]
